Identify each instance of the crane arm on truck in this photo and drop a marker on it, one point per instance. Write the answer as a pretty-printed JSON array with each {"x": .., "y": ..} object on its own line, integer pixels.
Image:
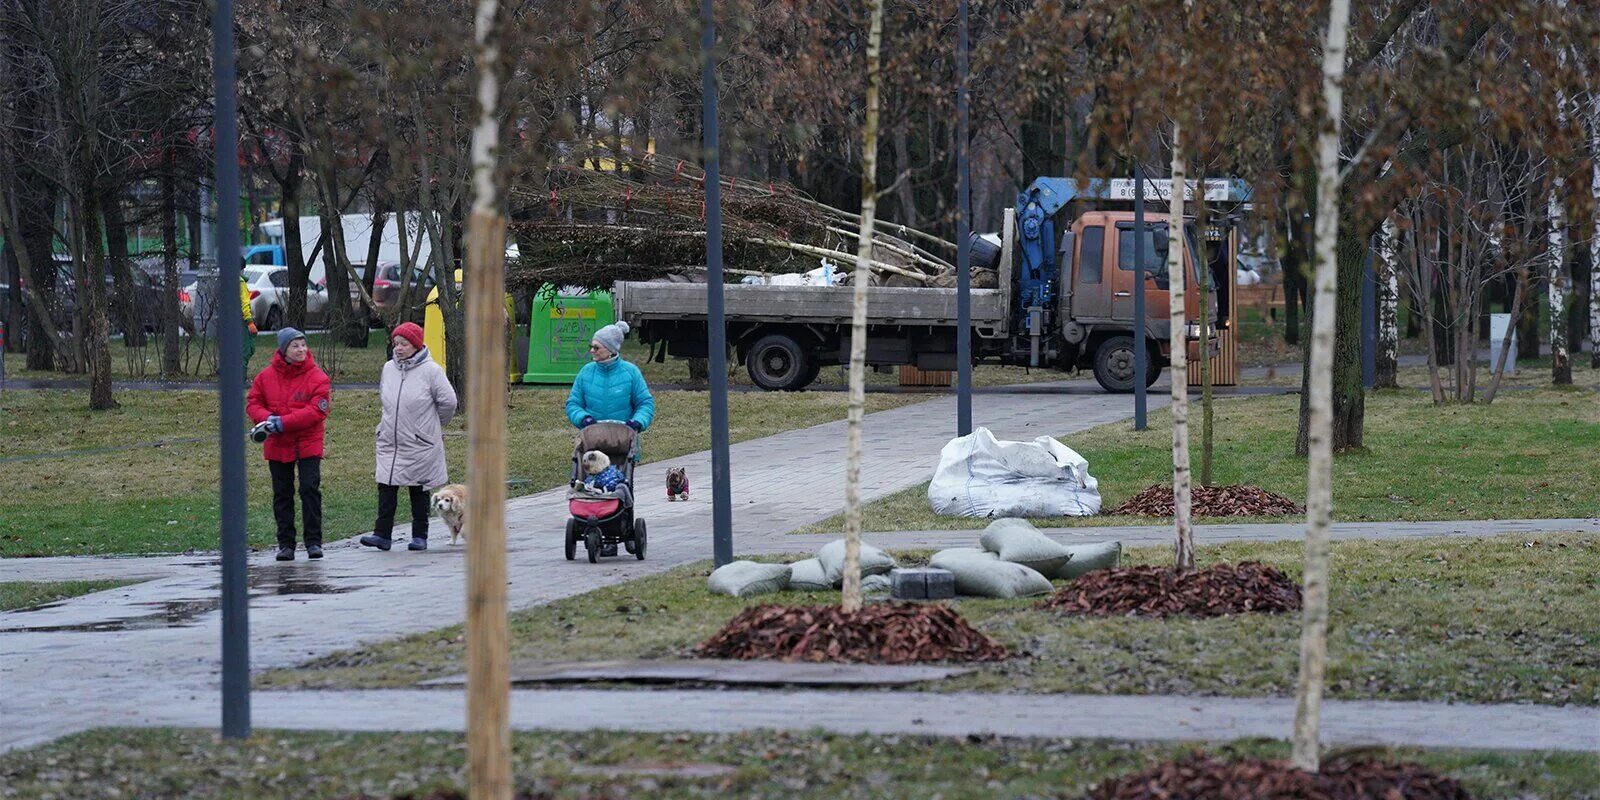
[{"x": 1046, "y": 196}]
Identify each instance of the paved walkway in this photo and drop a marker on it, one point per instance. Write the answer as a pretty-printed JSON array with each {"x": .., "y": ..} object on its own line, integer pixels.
[
  {"x": 148, "y": 654},
  {"x": 78, "y": 663},
  {"x": 1143, "y": 718}
]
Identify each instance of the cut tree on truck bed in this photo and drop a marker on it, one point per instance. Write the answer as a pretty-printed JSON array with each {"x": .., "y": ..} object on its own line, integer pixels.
[{"x": 1063, "y": 301}]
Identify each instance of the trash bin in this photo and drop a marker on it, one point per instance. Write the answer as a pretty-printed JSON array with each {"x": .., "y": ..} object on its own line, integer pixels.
[
  {"x": 433, "y": 328},
  {"x": 1498, "y": 323},
  {"x": 559, "y": 329}
]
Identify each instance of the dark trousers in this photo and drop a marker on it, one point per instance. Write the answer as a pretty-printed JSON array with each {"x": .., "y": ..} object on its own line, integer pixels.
[
  {"x": 310, "y": 499},
  {"x": 388, "y": 498}
]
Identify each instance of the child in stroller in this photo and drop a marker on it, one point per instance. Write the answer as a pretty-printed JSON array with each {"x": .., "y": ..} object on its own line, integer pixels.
[{"x": 601, "y": 501}]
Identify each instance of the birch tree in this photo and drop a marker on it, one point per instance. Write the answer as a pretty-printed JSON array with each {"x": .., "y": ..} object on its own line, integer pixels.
[
  {"x": 850, "y": 597},
  {"x": 1556, "y": 280},
  {"x": 1594, "y": 232},
  {"x": 1178, "y": 338},
  {"x": 1385, "y": 374},
  {"x": 1319, "y": 472}
]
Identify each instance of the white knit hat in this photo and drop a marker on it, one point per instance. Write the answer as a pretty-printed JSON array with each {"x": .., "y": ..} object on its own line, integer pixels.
[{"x": 610, "y": 337}]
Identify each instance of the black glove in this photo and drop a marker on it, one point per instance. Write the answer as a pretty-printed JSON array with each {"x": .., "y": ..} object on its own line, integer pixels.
[
  {"x": 586, "y": 422},
  {"x": 634, "y": 424}
]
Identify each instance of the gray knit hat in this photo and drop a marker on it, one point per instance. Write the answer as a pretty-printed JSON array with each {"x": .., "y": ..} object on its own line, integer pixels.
[
  {"x": 610, "y": 337},
  {"x": 287, "y": 335}
]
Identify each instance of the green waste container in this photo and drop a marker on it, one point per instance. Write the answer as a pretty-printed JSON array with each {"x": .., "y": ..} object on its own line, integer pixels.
[{"x": 559, "y": 329}]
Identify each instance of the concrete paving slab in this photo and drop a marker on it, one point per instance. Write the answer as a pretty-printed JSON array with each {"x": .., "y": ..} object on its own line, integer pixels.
[
  {"x": 1138, "y": 718},
  {"x": 760, "y": 673}
]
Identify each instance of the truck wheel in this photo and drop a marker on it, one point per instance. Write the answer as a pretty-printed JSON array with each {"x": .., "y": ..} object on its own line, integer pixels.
[
  {"x": 1113, "y": 365},
  {"x": 778, "y": 363}
]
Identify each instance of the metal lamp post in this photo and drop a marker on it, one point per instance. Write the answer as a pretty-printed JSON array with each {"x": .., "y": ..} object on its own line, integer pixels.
[
  {"x": 716, "y": 333},
  {"x": 963, "y": 236},
  {"x": 230, "y": 379}
]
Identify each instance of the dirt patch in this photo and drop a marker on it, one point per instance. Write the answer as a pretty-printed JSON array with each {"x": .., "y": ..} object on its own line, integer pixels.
[
  {"x": 1211, "y": 501},
  {"x": 1217, "y": 590},
  {"x": 1201, "y": 777},
  {"x": 887, "y": 633}
]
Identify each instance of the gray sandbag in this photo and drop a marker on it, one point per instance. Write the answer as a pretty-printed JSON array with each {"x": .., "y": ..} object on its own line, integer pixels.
[
  {"x": 874, "y": 584},
  {"x": 980, "y": 573},
  {"x": 808, "y": 576},
  {"x": 746, "y": 578},
  {"x": 873, "y": 560},
  {"x": 1086, "y": 557},
  {"x": 1017, "y": 541}
]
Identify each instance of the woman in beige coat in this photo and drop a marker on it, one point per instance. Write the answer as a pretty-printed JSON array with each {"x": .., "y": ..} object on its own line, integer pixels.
[{"x": 417, "y": 403}]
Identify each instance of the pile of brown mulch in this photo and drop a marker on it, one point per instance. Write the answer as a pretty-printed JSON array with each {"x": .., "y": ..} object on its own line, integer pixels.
[
  {"x": 1211, "y": 501},
  {"x": 887, "y": 633},
  {"x": 1215, "y": 591},
  {"x": 1202, "y": 777}
]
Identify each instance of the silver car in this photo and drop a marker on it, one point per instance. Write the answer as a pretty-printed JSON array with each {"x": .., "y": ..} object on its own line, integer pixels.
[{"x": 269, "y": 299}]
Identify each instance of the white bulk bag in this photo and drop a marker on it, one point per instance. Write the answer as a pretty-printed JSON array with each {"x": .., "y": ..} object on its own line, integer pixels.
[{"x": 981, "y": 476}]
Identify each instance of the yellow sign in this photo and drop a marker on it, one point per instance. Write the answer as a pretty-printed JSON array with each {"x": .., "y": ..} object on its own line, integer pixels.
[{"x": 562, "y": 312}]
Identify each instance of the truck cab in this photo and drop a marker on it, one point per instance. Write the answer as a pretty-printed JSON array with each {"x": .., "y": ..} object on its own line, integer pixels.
[{"x": 1097, "y": 297}]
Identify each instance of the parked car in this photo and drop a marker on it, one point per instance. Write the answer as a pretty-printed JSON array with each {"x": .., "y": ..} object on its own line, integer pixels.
[
  {"x": 269, "y": 298},
  {"x": 386, "y": 286}
]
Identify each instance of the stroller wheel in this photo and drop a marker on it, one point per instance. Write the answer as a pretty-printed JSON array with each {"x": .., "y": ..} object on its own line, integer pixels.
[
  {"x": 591, "y": 542},
  {"x": 638, "y": 539},
  {"x": 572, "y": 539}
]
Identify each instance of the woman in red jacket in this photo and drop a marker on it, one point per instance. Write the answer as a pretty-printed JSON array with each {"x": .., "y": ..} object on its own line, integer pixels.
[{"x": 292, "y": 394}]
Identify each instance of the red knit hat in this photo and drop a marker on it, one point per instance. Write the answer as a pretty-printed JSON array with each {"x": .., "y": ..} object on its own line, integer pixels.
[{"x": 410, "y": 331}]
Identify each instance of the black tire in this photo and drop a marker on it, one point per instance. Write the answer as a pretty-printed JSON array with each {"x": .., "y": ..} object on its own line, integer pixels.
[
  {"x": 591, "y": 542},
  {"x": 777, "y": 363},
  {"x": 572, "y": 539},
  {"x": 638, "y": 539},
  {"x": 274, "y": 319},
  {"x": 1113, "y": 366}
]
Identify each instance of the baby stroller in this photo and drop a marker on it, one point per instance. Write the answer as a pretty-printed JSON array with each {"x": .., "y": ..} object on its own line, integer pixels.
[{"x": 605, "y": 519}]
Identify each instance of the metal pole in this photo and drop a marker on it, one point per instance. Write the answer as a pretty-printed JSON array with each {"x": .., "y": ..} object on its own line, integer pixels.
[
  {"x": 716, "y": 333},
  {"x": 1140, "y": 355},
  {"x": 963, "y": 237},
  {"x": 230, "y": 380}
]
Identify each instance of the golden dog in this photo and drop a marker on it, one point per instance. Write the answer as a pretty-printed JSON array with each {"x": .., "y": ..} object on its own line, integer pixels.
[{"x": 451, "y": 503}]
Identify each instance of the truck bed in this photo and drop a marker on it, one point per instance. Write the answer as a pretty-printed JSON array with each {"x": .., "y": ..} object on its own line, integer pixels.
[{"x": 808, "y": 304}]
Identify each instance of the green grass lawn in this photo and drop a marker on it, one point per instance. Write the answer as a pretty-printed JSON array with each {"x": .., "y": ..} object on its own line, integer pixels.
[
  {"x": 1530, "y": 374},
  {"x": 787, "y": 766},
  {"x": 1465, "y": 620},
  {"x": 25, "y": 594},
  {"x": 164, "y": 499},
  {"x": 364, "y": 365},
  {"x": 1532, "y": 454}
]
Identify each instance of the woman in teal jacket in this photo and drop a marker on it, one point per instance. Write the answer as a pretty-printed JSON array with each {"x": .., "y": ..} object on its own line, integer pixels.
[{"x": 608, "y": 388}]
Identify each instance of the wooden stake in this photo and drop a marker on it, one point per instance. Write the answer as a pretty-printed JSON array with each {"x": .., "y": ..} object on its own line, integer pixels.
[{"x": 488, "y": 651}]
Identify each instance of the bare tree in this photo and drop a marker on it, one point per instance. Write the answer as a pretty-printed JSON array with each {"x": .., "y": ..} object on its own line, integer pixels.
[
  {"x": 850, "y": 598},
  {"x": 1319, "y": 470}
]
